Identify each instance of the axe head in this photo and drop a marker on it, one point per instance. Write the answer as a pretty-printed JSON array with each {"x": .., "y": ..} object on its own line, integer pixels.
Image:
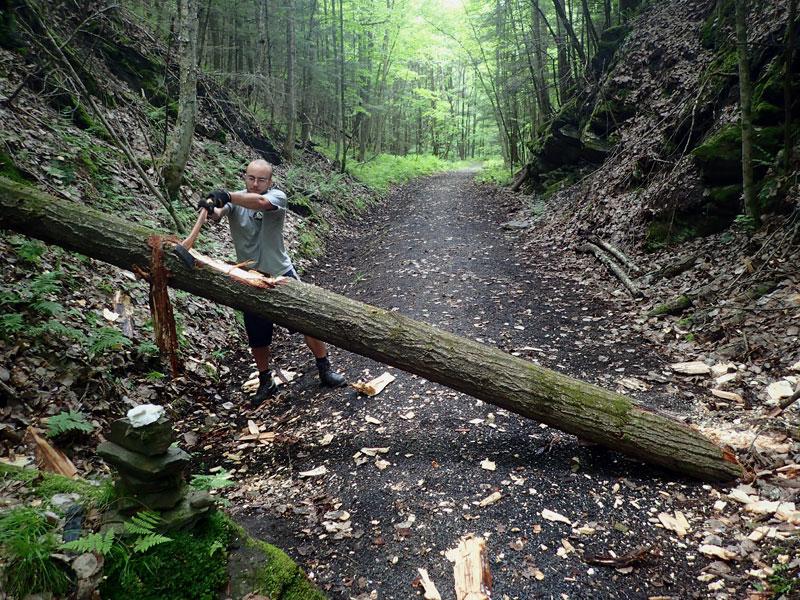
[{"x": 184, "y": 255}]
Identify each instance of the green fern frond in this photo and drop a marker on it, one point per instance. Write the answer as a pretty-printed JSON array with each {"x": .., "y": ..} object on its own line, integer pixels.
[
  {"x": 107, "y": 338},
  {"x": 143, "y": 523},
  {"x": 94, "y": 542},
  {"x": 12, "y": 323},
  {"x": 67, "y": 421},
  {"x": 47, "y": 307},
  {"x": 215, "y": 480},
  {"x": 59, "y": 330},
  {"x": 45, "y": 283},
  {"x": 143, "y": 544}
]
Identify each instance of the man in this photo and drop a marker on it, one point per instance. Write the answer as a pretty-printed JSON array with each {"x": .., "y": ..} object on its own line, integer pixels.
[{"x": 256, "y": 217}]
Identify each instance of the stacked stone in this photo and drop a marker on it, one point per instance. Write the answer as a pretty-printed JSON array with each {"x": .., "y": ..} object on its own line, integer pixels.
[{"x": 151, "y": 473}]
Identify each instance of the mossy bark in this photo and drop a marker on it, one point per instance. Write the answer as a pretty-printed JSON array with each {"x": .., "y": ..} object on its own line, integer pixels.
[{"x": 487, "y": 373}]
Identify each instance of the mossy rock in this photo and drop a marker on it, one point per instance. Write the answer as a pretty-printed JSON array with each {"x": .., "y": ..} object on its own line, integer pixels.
[
  {"x": 610, "y": 41},
  {"x": 255, "y": 566},
  {"x": 720, "y": 156},
  {"x": 724, "y": 199},
  {"x": 9, "y": 169},
  {"x": 662, "y": 233}
]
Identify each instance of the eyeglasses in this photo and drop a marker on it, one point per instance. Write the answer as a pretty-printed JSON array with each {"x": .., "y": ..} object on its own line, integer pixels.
[{"x": 259, "y": 180}]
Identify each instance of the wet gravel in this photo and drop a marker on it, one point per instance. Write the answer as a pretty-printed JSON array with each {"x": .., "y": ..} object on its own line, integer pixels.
[{"x": 362, "y": 492}]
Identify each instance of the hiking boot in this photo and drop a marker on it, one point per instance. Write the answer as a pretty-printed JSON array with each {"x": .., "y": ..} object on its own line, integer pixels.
[
  {"x": 327, "y": 376},
  {"x": 266, "y": 389}
]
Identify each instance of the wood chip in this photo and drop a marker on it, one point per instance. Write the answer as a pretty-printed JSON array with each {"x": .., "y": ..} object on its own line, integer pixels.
[
  {"x": 431, "y": 593},
  {"x": 314, "y": 472},
  {"x": 717, "y": 552},
  {"x": 488, "y": 465},
  {"x": 491, "y": 499},
  {"x": 554, "y": 516},
  {"x": 374, "y": 386},
  {"x": 691, "y": 368},
  {"x": 253, "y": 427},
  {"x": 678, "y": 523},
  {"x": 50, "y": 458},
  {"x": 473, "y": 579},
  {"x": 733, "y": 397}
]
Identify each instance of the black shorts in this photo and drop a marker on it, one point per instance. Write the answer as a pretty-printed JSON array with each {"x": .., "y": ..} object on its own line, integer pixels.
[{"x": 259, "y": 330}]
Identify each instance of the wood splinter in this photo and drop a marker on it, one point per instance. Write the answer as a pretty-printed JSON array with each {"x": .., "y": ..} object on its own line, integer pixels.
[{"x": 473, "y": 579}]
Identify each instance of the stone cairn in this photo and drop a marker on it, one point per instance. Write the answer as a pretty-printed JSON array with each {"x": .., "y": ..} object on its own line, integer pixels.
[{"x": 150, "y": 472}]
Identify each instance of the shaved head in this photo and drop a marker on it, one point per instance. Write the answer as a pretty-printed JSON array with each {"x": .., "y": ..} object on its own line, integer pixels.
[{"x": 259, "y": 168}]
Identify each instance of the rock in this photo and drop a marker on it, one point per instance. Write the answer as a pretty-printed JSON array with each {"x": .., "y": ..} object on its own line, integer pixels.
[
  {"x": 86, "y": 565},
  {"x": 156, "y": 501},
  {"x": 184, "y": 515},
  {"x": 142, "y": 486},
  {"x": 150, "y": 440},
  {"x": 145, "y": 467}
]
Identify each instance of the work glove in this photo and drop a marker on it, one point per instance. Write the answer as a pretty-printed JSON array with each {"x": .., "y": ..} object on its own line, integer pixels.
[{"x": 215, "y": 199}]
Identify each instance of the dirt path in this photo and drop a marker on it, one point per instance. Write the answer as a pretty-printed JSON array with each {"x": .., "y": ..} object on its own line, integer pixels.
[{"x": 397, "y": 479}]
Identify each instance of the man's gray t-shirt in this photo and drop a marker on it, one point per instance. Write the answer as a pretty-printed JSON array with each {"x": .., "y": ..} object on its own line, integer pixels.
[{"x": 258, "y": 235}]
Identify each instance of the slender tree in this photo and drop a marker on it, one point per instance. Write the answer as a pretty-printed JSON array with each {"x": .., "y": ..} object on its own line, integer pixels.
[
  {"x": 180, "y": 144},
  {"x": 788, "y": 59},
  {"x": 291, "y": 93},
  {"x": 746, "y": 101}
]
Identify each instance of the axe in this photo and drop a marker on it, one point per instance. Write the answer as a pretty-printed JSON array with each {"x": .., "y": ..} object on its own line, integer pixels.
[{"x": 182, "y": 249}]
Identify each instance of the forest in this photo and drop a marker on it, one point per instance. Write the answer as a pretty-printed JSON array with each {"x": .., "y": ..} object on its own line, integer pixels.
[{"x": 551, "y": 246}]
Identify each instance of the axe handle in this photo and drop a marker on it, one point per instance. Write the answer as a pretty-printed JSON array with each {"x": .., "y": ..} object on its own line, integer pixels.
[{"x": 201, "y": 218}]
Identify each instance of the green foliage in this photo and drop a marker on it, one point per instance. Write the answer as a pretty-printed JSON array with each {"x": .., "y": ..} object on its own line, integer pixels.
[
  {"x": 144, "y": 525},
  {"x": 26, "y": 542},
  {"x": 11, "y": 323},
  {"x": 107, "y": 338},
  {"x": 193, "y": 566},
  {"x": 67, "y": 421},
  {"x": 94, "y": 542},
  {"x": 494, "y": 171},
  {"x": 27, "y": 249},
  {"x": 385, "y": 170},
  {"x": 216, "y": 480}
]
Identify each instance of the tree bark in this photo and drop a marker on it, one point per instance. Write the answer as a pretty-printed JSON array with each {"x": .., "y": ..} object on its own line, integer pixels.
[
  {"x": 489, "y": 374},
  {"x": 180, "y": 144},
  {"x": 746, "y": 104},
  {"x": 788, "y": 59},
  {"x": 291, "y": 87}
]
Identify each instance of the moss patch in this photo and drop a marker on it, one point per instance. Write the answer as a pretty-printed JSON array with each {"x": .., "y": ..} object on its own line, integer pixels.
[
  {"x": 193, "y": 566},
  {"x": 256, "y": 566}
]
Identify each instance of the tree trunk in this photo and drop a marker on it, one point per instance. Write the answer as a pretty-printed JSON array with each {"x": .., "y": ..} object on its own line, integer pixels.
[
  {"x": 565, "y": 22},
  {"x": 180, "y": 144},
  {"x": 788, "y": 59},
  {"x": 487, "y": 373},
  {"x": 291, "y": 93},
  {"x": 746, "y": 103}
]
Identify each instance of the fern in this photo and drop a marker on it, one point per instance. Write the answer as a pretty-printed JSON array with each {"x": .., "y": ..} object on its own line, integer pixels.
[
  {"x": 143, "y": 523},
  {"x": 215, "y": 480},
  {"x": 107, "y": 338},
  {"x": 144, "y": 543},
  {"x": 11, "y": 323},
  {"x": 67, "y": 421},
  {"x": 45, "y": 283},
  {"x": 58, "y": 329},
  {"x": 47, "y": 307},
  {"x": 94, "y": 542}
]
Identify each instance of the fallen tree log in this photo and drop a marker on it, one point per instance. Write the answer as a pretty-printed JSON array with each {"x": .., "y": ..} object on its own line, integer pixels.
[{"x": 489, "y": 374}]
